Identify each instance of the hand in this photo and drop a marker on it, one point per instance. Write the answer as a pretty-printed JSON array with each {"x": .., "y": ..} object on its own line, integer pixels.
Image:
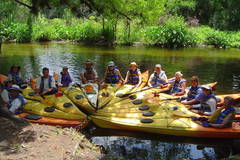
[
  {"x": 205, "y": 124},
  {"x": 185, "y": 103}
]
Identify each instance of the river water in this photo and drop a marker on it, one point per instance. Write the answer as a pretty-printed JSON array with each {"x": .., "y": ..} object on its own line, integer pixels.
[{"x": 209, "y": 64}]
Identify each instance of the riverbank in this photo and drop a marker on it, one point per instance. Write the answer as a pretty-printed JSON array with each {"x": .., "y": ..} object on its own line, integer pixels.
[
  {"x": 172, "y": 33},
  {"x": 41, "y": 142}
]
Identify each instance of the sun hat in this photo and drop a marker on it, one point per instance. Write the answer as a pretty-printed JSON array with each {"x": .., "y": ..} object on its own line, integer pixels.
[
  {"x": 111, "y": 64},
  {"x": 89, "y": 62},
  {"x": 15, "y": 87},
  {"x": 158, "y": 66},
  {"x": 133, "y": 64},
  {"x": 207, "y": 87}
]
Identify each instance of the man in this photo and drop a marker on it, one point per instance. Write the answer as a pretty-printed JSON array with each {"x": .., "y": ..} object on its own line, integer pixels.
[
  {"x": 65, "y": 78},
  {"x": 133, "y": 76},
  {"x": 195, "y": 93},
  {"x": 178, "y": 85},
  {"x": 208, "y": 103},
  {"x": 221, "y": 118},
  {"x": 16, "y": 99},
  {"x": 158, "y": 79},
  {"x": 112, "y": 74},
  {"x": 89, "y": 74},
  {"x": 46, "y": 84}
]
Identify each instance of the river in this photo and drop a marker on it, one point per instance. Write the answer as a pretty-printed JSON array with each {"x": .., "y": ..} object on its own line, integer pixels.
[{"x": 209, "y": 64}]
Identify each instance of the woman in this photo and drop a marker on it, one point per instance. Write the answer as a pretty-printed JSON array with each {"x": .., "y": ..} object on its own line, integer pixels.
[
  {"x": 112, "y": 74},
  {"x": 178, "y": 85},
  {"x": 15, "y": 75},
  {"x": 133, "y": 76},
  {"x": 64, "y": 79},
  {"x": 158, "y": 79}
]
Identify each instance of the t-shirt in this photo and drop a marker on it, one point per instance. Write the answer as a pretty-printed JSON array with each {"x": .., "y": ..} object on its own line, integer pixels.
[
  {"x": 5, "y": 96},
  {"x": 211, "y": 102},
  {"x": 46, "y": 86}
]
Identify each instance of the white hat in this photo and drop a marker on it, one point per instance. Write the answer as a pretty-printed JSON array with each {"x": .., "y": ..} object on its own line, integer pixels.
[
  {"x": 158, "y": 66},
  {"x": 133, "y": 63},
  {"x": 179, "y": 73},
  {"x": 207, "y": 87},
  {"x": 15, "y": 87},
  {"x": 111, "y": 64}
]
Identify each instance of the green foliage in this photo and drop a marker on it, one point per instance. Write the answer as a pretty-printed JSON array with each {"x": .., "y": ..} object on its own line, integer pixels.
[
  {"x": 173, "y": 34},
  {"x": 219, "y": 39}
]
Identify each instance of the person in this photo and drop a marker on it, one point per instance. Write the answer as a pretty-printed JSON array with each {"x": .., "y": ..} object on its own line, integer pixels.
[
  {"x": 5, "y": 96},
  {"x": 89, "y": 74},
  {"x": 46, "y": 84},
  {"x": 177, "y": 85},
  {"x": 133, "y": 75},
  {"x": 221, "y": 118},
  {"x": 65, "y": 78},
  {"x": 16, "y": 76},
  {"x": 158, "y": 79},
  {"x": 112, "y": 74},
  {"x": 195, "y": 93},
  {"x": 17, "y": 101},
  {"x": 208, "y": 103}
]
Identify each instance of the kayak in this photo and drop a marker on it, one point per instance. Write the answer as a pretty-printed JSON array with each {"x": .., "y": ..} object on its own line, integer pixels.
[
  {"x": 106, "y": 94},
  {"x": 163, "y": 109},
  {"x": 54, "y": 121},
  {"x": 59, "y": 101},
  {"x": 3, "y": 78},
  {"x": 49, "y": 111},
  {"x": 127, "y": 88},
  {"x": 168, "y": 126},
  {"x": 77, "y": 97},
  {"x": 90, "y": 90}
]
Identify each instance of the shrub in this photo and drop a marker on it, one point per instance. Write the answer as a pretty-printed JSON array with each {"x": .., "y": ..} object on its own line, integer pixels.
[
  {"x": 219, "y": 39},
  {"x": 173, "y": 34}
]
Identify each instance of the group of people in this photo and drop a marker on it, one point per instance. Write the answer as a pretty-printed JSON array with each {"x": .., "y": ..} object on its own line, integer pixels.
[{"x": 199, "y": 97}]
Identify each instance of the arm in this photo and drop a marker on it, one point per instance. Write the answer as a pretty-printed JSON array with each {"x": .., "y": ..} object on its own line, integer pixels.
[
  {"x": 193, "y": 101},
  {"x": 126, "y": 78},
  {"x": 140, "y": 79},
  {"x": 120, "y": 75},
  {"x": 226, "y": 120},
  {"x": 150, "y": 80},
  {"x": 212, "y": 104}
]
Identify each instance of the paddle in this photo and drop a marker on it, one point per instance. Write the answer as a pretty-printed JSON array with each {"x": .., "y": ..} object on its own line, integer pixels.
[{"x": 120, "y": 95}]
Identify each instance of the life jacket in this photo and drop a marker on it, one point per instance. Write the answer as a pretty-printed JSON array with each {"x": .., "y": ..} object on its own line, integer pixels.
[
  {"x": 133, "y": 77},
  {"x": 193, "y": 92},
  {"x": 66, "y": 79},
  {"x": 223, "y": 114},
  {"x": 204, "y": 105},
  {"x": 177, "y": 86},
  {"x": 42, "y": 83},
  {"x": 16, "y": 77},
  {"x": 89, "y": 74},
  {"x": 112, "y": 76},
  {"x": 156, "y": 80}
]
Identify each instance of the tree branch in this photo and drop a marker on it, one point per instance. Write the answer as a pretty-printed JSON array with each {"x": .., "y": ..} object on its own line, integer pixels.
[{"x": 24, "y": 4}]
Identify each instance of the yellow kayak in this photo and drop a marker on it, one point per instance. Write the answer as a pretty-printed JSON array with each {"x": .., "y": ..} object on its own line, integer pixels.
[
  {"x": 91, "y": 92},
  {"x": 78, "y": 98},
  {"x": 127, "y": 89},
  {"x": 60, "y": 102},
  {"x": 106, "y": 94},
  {"x": 49, "y": 111},
  {"x": 168, "y": 126}
]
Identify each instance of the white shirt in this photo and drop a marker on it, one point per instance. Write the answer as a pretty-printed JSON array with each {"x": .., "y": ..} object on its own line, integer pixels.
[
  {"x": 46, "y": 87},
  {"x": 161, "y": 75},
  {"x": 212, "y": 103},
  {"x": 16, "y": 104},
  {"x": 5, "y": 96}
]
